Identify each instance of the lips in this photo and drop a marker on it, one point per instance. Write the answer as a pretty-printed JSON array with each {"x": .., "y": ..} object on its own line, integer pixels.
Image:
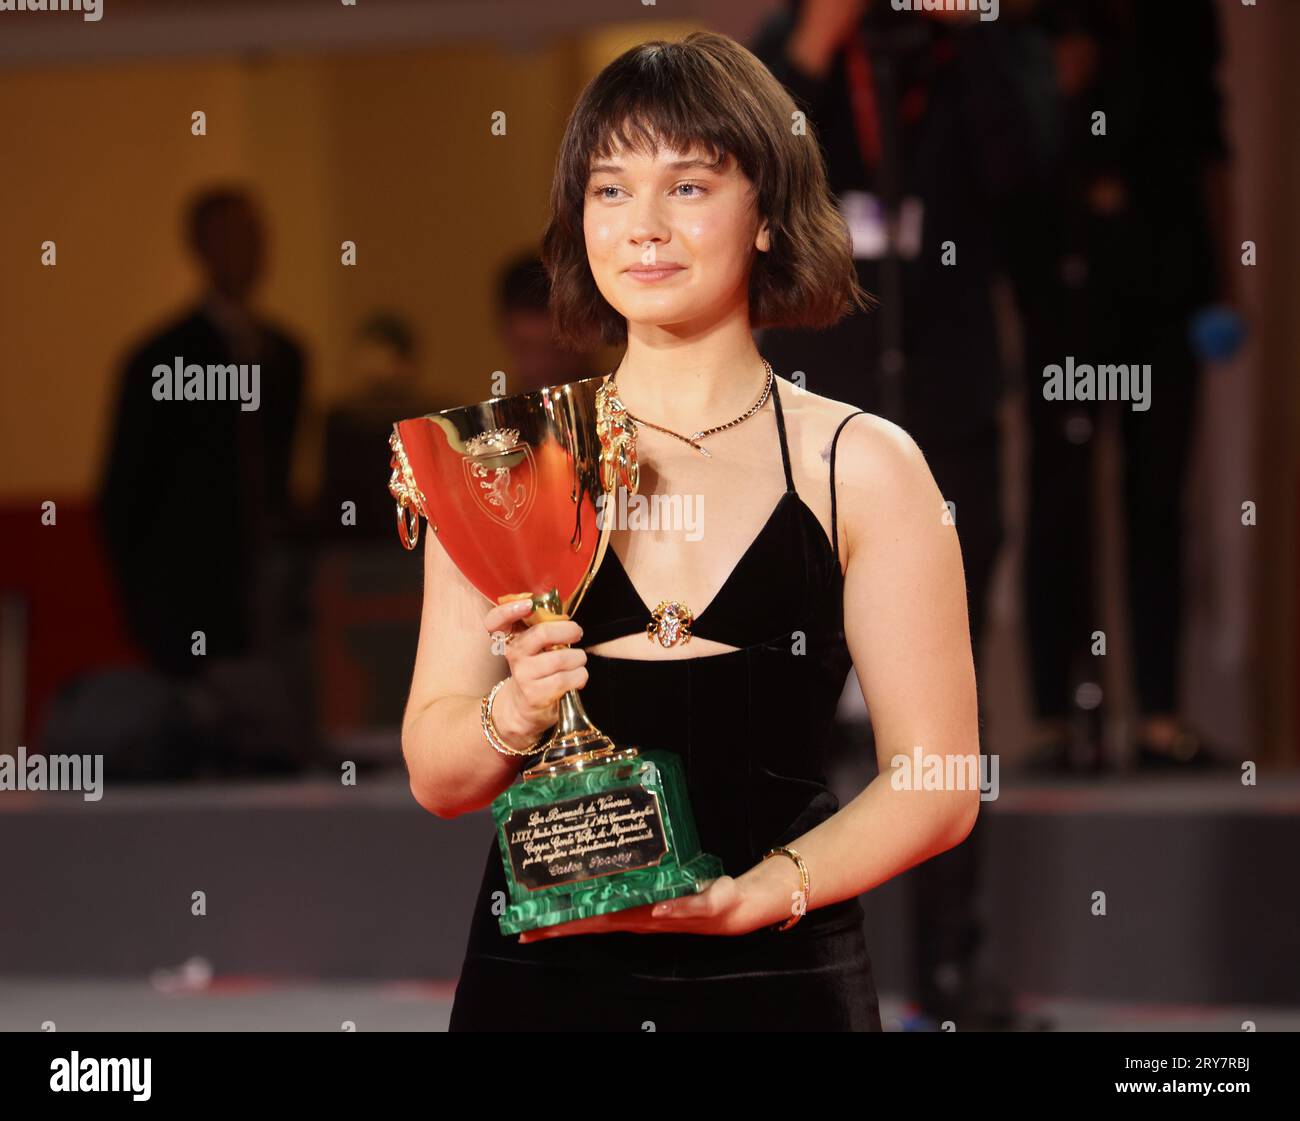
[
  {"x": 654, "y": 274},
  {"x": 658, "y": 266}
]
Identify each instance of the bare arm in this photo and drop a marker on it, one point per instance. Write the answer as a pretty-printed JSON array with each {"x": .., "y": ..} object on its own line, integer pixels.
[
  {"x": 907, "y": 629},
  {"x": 452, "y": 768}
]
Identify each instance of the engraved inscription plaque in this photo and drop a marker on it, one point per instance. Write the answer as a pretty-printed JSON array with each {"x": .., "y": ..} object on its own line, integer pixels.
[{"x": 582, "y": 838}]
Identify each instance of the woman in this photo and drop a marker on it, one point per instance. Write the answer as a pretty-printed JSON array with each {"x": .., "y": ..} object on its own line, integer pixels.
[{"x": 690, "y": 207}]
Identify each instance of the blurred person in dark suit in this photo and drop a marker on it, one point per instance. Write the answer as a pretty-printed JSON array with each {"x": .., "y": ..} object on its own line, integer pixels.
[
  {"x": 194, "y": 489},
  {"x": 930, "y": 129},
  {"x": 195, "y": 492}
]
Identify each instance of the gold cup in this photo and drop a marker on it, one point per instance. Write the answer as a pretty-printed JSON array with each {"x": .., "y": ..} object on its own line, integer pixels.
[{"x": 511, "y": 486}]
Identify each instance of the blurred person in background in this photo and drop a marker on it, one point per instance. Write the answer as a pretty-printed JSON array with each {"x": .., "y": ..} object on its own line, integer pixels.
[
  {"x": 1123, "y": 258},
  {"x": 524, "y": 326},
  {"x": 194, "y": 498},
  {"x": 194, "y": 490},
  {"x": 932, "y": 127},
  {"x": 384, "y": 375}
]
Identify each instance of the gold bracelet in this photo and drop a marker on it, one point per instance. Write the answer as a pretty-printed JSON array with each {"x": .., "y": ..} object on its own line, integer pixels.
[
  {"x": 803, "y": 883},
  {"x": 490, "y": 729}
]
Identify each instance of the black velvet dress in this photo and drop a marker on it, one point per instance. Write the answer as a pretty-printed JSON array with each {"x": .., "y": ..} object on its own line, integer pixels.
[{"x": 751, "y": 726}]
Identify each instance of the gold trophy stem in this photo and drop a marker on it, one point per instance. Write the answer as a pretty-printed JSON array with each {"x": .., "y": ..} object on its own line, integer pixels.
[{"x": 576, "y": 741}]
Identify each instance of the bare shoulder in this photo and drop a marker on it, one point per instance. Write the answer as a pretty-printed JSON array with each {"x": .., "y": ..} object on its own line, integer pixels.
[
  {"x": 881, "y": 476},
  {"x": 870, "y": 451}
]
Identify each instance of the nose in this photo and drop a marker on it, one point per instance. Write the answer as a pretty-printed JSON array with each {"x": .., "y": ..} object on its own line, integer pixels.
[
  {"x": 648, "y": 249},
  {"x": 646, "y": 230}
]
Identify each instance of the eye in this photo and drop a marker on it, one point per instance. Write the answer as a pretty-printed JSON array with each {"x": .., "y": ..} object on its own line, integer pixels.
[{"x": 698, "y": 190}]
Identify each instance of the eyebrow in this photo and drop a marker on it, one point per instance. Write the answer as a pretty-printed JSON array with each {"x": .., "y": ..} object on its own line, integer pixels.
[{"x": 676, "y": 165}]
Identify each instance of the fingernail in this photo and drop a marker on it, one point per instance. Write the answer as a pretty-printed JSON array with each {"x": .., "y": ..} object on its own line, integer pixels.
[{"x": 662, "y": 908}]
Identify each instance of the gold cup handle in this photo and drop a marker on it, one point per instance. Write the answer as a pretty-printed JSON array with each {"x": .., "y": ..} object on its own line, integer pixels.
[
  {"x": 410, "y": 500},
  {"x": 618, "y": 458},
  {"x": 408, "y": 526}
]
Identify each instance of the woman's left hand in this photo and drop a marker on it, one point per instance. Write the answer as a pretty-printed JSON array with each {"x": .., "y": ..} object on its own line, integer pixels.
[{"x": 718, "y": 909}]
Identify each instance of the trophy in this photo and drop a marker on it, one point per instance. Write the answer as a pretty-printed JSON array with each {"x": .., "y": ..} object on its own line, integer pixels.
[{"x": 514, "y": 488}]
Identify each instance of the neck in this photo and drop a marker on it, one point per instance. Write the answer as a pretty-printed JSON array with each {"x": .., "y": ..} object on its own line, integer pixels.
[
  {"x": 226, "y": 306},
  {"x": 690, "y": 387}
]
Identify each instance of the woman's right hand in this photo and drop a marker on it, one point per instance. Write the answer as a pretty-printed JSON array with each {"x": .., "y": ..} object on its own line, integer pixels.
[{"x": 528, "y": 703}]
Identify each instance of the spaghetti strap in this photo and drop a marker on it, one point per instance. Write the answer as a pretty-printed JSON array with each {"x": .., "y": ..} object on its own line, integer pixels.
[
  {"x": 835, "y": 535},
  {"x": 780, "y": 428}
]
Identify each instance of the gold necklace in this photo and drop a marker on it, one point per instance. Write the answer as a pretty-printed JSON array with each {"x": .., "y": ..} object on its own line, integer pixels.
[{"x": 697, "y": 436}]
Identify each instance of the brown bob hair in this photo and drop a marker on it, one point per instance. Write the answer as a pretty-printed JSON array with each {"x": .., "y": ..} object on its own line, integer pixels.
[{"x": 703, "y": 93}]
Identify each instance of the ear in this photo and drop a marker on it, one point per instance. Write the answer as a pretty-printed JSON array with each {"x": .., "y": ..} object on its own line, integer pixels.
[{"x": 763, "y": 239}]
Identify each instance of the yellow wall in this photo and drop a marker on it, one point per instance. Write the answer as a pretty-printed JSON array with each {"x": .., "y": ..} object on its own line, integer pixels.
[{"x": 391, "y": 150}]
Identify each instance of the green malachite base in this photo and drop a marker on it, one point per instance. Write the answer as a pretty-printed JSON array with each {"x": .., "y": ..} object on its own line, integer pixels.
[{"x": 597, "y": 840}]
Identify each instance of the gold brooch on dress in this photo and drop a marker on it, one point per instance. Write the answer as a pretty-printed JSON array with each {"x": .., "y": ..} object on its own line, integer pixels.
[{"x": 670, "y": 623}]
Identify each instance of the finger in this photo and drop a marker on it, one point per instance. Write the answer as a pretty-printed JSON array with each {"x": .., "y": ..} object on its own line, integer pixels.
[
  {"x": 505, "y": 615},
  {"x": 559, "y": 632},
  {"x": 704, "y": 903},
  {"x": 560, "y": 930},
  {"x": 541, "y": 695},
  {"x": 560, "y": 683},
  {"x": 634, "y": 919},
  {"x": 543, "y": 665},
  {"x": 639, "y": 920}
]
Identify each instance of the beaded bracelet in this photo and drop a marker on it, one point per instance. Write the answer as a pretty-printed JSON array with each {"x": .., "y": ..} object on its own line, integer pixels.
[{"x": 490, "y": 729}]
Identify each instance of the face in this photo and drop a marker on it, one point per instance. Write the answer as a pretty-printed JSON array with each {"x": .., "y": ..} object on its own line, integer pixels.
[
  {"x": 231, "y": 248},
  {"x": 671, "y": 243},
  {"x": 379, "y": 365}
]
